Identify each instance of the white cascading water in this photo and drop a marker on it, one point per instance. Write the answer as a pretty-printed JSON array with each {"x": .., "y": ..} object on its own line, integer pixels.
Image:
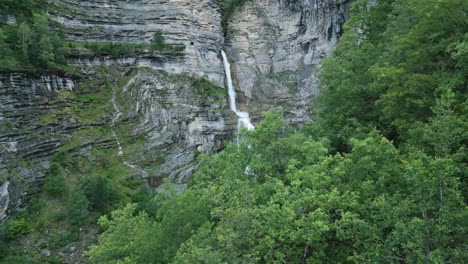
[
  {"x": 4, "y": 199},
  {"x": 120, "y": 153},
  {"x": 243, "y": 117}
]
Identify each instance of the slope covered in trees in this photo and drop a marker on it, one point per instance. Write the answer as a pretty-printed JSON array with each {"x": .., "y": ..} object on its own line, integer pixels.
[
  {"x": 378, "y": 177},
  {"x": 28, "y": 42}
]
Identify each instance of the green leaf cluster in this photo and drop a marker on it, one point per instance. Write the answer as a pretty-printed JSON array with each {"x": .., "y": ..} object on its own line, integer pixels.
[
  {"x": 158, "y": 43},
  {"x": 16, "y": 228}
]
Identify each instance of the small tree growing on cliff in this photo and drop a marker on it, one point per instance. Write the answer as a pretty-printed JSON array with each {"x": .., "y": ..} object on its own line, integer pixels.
[
  {"x": 6, "y": 56},
  {"x": 46, "y": 51},
  {"x": 158, "y": 41},
  {"x": 24, "y": 39}
]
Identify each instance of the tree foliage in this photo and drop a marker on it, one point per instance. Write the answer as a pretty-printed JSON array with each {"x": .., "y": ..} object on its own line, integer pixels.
[
  {"x": 390, "y": 67},
  {"x": 30, "y": 43},
  {"x": 379, "y": 177},
  {"x": 281, "y": 197}
]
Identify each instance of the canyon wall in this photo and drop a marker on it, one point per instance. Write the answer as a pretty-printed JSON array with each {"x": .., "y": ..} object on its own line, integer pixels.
[
  {"x": 174, "y": 103},
  {"x": 276, "y": 47}
]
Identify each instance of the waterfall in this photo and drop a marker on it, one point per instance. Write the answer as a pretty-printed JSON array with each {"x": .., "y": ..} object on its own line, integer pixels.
[
  {"x": 120, "y": 153},
  {"x": 243, "y": 118},
  {"x": 4, "y": 199}
]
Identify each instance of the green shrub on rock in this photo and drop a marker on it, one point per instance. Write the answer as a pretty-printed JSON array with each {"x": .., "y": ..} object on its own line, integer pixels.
[
  {"x": 99, "y": 193},
  {"x": 16, "y": 228},
  {"x": 55, "y": 183},
  {"x": 77, "y": 207}
]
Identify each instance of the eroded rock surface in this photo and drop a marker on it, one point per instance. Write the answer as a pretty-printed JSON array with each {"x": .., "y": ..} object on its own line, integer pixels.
[
  {"x": 276, "y": 47},
  {"x": 27, "y": 139},
  {"x": 178, "y": 119},
  {"x": 193, "y": 24}
]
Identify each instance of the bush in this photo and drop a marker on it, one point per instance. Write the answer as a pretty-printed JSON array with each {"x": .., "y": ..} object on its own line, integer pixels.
[
  {"x": 3, "y": 249},
  {"x": 3, "y": 242},
  {"x": 99, "y": 193},
  {"x": 55, "y": 183},
  {"x": 16, "y": 228},
  {"x": 77, "y": 207},
  {"x": 206, "y": 88},
  {"x": 113, "y": 49},
  {"x": 158, "y": 41}
]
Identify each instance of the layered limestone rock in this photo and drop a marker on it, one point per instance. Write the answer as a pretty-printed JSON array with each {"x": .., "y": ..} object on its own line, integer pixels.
[
  {"x": 178, "y": 119},
  {"x": 27, "y": 140},
  {"x": 174, "y": 117},
  {"x": 166, "y": 110},
  {"x": 193, "y": 24},
  {"x": 276, "y": 47},
  {"x": 4, "y": 199}
]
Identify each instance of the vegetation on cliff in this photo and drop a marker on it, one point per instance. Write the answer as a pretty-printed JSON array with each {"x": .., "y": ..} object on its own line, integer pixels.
[
  {"x": 30, "y": 41},
  {"x": 88, "y": 177},
  {"x": 379, "y": 176},
  {"x": 229, "y": 6}
]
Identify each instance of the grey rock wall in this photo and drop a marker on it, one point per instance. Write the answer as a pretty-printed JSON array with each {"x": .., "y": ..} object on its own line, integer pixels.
[
  {"x": 177, "y": 121},
  {"x": 276, "y": 47},
  {"x": 26, "y": 144},
  {"x": 194, "y": 24}
]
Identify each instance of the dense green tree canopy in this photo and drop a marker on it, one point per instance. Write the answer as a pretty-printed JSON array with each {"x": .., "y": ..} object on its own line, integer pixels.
[
  {"x": 280, "y": 197},
  {"x": 390, "y": 67},
  {"x": 378, "y": 177},
  {"x": 29, "y": 43}
]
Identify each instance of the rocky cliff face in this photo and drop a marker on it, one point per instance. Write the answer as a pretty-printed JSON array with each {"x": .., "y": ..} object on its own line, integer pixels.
[
  {"x": 276, "y": 47},
  {"x": 27, "y": 139},
  {"x": 193, "y": 24},
  {"x": 157, "y": 111},
  {"x": 178, "y": 118},
  {"x": 152, "y": 121}
]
